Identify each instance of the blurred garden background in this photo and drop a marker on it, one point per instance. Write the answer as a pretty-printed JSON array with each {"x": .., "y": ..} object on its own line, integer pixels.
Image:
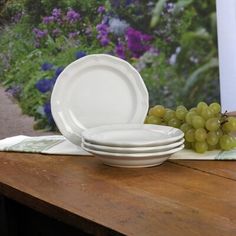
[{"x": 173, "y": 44}]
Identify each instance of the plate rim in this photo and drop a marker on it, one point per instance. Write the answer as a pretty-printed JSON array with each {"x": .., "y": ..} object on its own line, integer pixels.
[
  {"x": 133, "y": 155},
  {"x": 86, "y": 135},
  {"x": 72, "y": 131},
  {"x": 133, "y": 149}
]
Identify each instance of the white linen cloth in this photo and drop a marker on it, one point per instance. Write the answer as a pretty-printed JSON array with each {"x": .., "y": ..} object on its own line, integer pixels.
[
  {"x": 57, "y": 144},
  {"x": 53, "y": 144}
]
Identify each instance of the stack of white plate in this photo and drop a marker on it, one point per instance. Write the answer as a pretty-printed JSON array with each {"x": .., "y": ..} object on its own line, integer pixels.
[
  {"x": 99, "y": 90},
  {"x": 133, "y": 145}
]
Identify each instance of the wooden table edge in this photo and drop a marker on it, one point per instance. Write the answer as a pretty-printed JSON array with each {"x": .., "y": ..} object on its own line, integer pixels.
[{"x": 56, "y": 212}]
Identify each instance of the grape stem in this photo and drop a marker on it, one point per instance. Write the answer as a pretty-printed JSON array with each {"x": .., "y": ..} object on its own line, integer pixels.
[{"x": 224, "y": 118}]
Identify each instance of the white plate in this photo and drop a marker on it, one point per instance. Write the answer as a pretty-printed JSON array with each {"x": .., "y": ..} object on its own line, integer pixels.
[
  {"x": 97, "y": 90},
  {"x": 134, "y": 160},
  {"x": 132, "y": 135},
  {"x": 132, "y": 149}
]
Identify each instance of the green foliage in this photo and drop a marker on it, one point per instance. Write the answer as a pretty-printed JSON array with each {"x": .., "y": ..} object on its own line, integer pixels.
[
  {"x": 137, "y": 15},
  {"x": 181, "y": 66},
  {"x": 157, "y": 12},
  {"x": 37, "y": 9},
  {"x": 191, "y": 27},
  {"x": 8, "y": 9},
  {"x": 162, "y": 82},
  {"x": 195, "y": 77}
]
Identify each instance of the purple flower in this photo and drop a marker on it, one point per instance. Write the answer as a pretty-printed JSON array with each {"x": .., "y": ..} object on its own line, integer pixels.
[
  {"x": 137, "y": 42},
  {"x": 169, "y": 7},
  {"x": 39, "y": 33},
  {"x": 105, "y": 19},
  {"x": 72, "y": 16},
  {"x": 56, "y": 13},
  {"x": 80, "y": 54},
  {"x": 48, "y": 112},
  {"x": 46, "y": 66},
  {"x": 128, "y": 2},
  {"x": 58, "y": 71},
  {"x": 16, "y": 18},
  {"x": 104, "y": 41},
  {"x": 119, "y": 3},
  {"x": 101, "y": 9},
  {"x": 56, "y": 32},
  {"x": 44, "y": 85},
  {"x": 48, "y": 19},
  {"x": 146, "y": 37},
  {"x": 103, "y": 31},
  {"x": 47, "y": 108},
  {"x": 120, "y": 50},
  {"x": 103, "y": 28}
]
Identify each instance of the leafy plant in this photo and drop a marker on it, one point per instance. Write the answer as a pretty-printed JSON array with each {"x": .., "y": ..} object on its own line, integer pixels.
[{"x": 173, "y": 44}]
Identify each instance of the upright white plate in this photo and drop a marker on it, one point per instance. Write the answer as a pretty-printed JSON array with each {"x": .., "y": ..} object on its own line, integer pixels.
[
  {"x": 97, "y": 90},
  {"x": 158, "y": 148},
  {"x": 133, "y": 160},
  {"x": 132, "y": 135}
]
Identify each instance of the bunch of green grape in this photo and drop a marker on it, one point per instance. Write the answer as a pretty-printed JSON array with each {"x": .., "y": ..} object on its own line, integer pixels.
[{"x": 204, "y": 126}]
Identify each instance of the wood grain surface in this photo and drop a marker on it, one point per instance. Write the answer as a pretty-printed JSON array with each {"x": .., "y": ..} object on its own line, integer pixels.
[{"x": 175, "y": 198}]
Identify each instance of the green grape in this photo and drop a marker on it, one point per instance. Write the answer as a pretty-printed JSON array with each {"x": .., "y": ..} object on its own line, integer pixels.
[
  {"x": 226, "y": 127},
  {"x": 219, "y": 133},
  {"x": 185, "y": 127},
  {"x": 201, "y": 106},
  {"x": 190, "y": 135},
  {"x": 215, "y": 107},
  {"x": 151, "y": 119},
  {"x": 200, "y": 134},
  {"x": 201, "y": 147},
  {"x": 234, "y": 142},
  {"x": 212, "y": 138},
  {"x": 205, "y": 127},
  {"x": 169, "y": 114},
  {"x": 181, "y": 107},
  {"x": 212, "y": 147},
  {"x": 181, "y": 112},
  {"x": 218, "y": 116},
  {"x": 194, "y": 109},
  {"x": 150, "y": 112},
  {"x": 198, "y": 122},
  {"x": 212, "y": 124},
  {"x": 189, "y": 116},
  {"x": 174, "y": 122},
  {"x": 232, "y": 123},
  {"x": 226, "y": 142},
  {"x": 158, "y": 111},
  {"x": 207, "y": 113}
]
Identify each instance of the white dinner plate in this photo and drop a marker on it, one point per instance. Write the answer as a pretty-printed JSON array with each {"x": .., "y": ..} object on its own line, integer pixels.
[
  {"x": 132, "y": 149},
  {"x": 132, "y": 135},
  {"x": 96, "y": 90},
  {"x": 133, "y": 160}
]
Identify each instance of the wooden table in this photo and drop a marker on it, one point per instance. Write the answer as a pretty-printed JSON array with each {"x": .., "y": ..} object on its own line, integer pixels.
[{"x": 175, "y": 198}]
